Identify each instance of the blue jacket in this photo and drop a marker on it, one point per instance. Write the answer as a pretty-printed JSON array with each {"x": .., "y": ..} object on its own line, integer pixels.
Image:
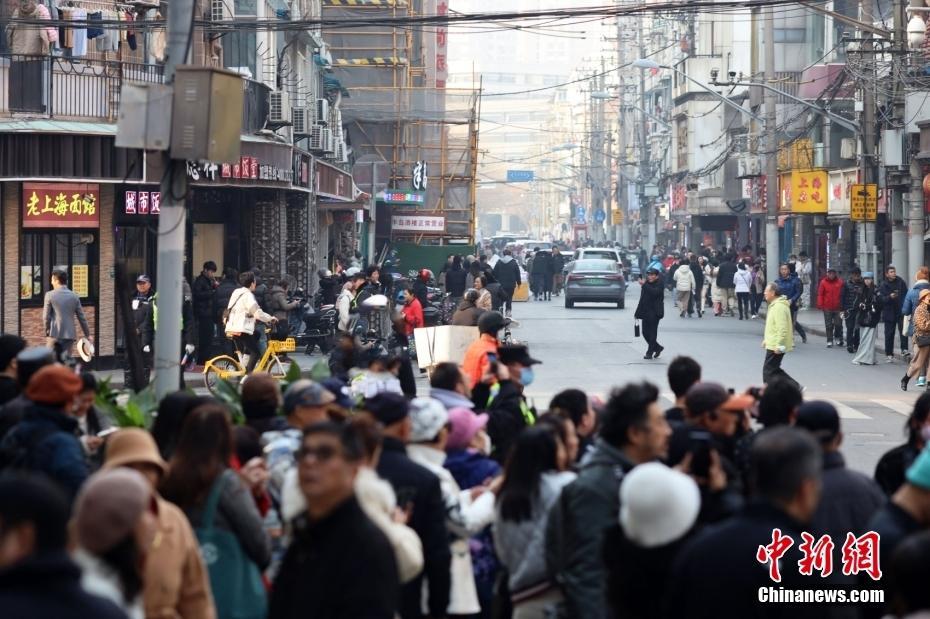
[
  {"x": 790, "y": 287},
  {"x": 470, "y": 468},
  {"x": 58, "y": 453},
  {"x": 910, "y": 302}
]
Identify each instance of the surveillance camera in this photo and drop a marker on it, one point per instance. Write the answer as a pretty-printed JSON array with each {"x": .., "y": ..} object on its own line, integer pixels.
[
  {"x": 732, "y": 74},
  {"x": 713, "y": 74}
]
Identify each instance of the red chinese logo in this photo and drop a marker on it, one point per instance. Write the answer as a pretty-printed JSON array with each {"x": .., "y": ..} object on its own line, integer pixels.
[
  {"x": 773, "y": 552},
  {"x": 859, "y": 554}
]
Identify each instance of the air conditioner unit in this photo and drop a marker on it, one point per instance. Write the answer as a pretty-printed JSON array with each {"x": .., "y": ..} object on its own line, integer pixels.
[
  {"x": 329, "y": 144},
  {"x": 748, "y": 165},
  {"x": 301, "y": 118},
  {"x": 221, "y": 10},
  {"x": 279, "y": 107},
  {"x": 344, "y": 152},
  {"x": 316, "y": 138},
  {"x": 848, "y": 148},
  {"x": 322, "y": 111}
]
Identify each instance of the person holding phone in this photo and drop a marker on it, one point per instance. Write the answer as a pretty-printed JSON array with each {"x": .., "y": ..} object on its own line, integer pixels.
[{"x": 92, "y": 423}]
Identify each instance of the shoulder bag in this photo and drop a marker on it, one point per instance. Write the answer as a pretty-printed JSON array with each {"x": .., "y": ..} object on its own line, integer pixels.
[{"x": 235, "y": 580}]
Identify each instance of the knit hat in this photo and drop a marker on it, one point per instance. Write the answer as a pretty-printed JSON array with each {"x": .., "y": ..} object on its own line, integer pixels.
[
  {"x": 132, "y": 446},
  {"x": 387, "y": 407},
  {"x": 261, "y": 396},
  {"x": 465, "y": 425},
  {"x": 305, "y": 392},
  {"x": 919, "y": 472},
  {"x": 429, "y": 416},
  {"x": 108, "y": 507},
  {"x": 658, "y": 505},
  {"x": 53, "y": 384}
]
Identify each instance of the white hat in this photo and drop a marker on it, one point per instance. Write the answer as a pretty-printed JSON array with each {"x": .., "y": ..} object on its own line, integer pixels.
[
  {"x": 428, "y": 416},
  {"x": 658, "y": 505},
  {"x": 85, "y": 349},
  {"x": 352, "y": 271}
]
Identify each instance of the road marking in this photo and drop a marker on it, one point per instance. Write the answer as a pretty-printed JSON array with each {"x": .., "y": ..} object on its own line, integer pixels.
[
  {"x": 898, "y": 407},
  {"x": 847, "y": 412}
]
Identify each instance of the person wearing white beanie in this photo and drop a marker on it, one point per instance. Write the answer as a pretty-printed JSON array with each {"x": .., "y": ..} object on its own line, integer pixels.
[{"x": 659, "y": 507}]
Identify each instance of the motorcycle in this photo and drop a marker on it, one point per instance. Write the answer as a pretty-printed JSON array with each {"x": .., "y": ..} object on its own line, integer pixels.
[{"x": 319, "y": 328}]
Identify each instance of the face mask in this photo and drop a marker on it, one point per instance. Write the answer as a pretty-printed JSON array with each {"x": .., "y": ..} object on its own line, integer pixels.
[
  {"x": 925, "y": 433},
  {"x": 526, "y": 376}
]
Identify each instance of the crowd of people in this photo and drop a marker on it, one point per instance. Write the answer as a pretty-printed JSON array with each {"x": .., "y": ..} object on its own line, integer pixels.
[{"x": 465, "y": 502}]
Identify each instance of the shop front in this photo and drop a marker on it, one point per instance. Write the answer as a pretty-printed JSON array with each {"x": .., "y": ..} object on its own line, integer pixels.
[{"x": 342, "y": 211}]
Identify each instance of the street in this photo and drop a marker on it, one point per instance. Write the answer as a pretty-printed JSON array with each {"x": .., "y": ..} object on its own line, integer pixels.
[{"x": 592, "y": 347}]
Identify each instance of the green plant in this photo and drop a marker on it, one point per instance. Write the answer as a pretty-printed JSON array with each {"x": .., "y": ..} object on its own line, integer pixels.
[
  {"x": 320, "y": 371},
  {"x": 126, "y": 408},
  {"x": 293, "y": 374},
  {"x": 227, "y": 393}
]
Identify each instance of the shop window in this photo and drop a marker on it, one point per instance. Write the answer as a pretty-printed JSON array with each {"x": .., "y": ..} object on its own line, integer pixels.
[{"x": 74, "y": 252}]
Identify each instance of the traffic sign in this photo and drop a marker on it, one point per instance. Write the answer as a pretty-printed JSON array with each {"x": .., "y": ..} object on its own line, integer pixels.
[
  {"x": 863, "y": 202},
  {"x": 520, "y": 176},
  {"x": 580, "y": 217},
  {"x": 617, "y": 216},
  {"x": 599, "y": 216}
]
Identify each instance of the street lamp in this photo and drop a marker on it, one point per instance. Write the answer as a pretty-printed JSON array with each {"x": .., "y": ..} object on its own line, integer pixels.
[{"x": 646, "y": 63}]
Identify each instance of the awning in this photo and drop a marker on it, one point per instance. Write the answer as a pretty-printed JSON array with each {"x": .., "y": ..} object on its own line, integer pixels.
[{"x": 45, "y": 125}]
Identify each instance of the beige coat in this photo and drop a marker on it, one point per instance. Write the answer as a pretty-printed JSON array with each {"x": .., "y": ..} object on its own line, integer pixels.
[
  {"x": 25, "y": 39},
  {"x": 177, "y": 585}
]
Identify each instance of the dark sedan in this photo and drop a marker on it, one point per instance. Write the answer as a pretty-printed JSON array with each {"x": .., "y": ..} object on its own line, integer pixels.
[{"x": 596, "y": 281}]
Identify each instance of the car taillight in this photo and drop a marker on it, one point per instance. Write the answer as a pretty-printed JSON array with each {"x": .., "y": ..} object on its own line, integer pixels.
[
  {"x": 614, "y": 277},
  {"x": 574, "y": 278}
]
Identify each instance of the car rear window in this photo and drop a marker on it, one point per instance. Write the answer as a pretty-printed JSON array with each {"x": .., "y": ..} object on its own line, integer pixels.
[
  {"x": 596, "y": 265},
  {"x": 600, "y": 255}
]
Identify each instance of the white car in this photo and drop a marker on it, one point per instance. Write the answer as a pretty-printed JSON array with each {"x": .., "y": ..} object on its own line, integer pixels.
[{"x": 593, "y": 253}]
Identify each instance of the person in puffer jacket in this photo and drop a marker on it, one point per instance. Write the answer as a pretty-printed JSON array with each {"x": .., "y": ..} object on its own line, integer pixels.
[
  {"x": 830, "y": 302},
  {"x": 684, "y": 285}
]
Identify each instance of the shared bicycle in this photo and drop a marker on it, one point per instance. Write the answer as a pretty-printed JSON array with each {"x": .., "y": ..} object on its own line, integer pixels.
[{"x": 228, "y": 368}]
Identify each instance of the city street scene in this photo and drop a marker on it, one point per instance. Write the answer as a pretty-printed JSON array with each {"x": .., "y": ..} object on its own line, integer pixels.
[{"x": 422, "y": 309}]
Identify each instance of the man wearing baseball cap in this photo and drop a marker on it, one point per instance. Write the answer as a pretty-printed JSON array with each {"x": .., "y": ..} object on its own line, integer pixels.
[
  {"x": 45, "y": 441},
  {"x": 143, "y": 318}
]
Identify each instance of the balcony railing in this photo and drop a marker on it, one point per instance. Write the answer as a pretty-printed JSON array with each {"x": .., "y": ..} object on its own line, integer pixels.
[{"x": 67, "y": 88}]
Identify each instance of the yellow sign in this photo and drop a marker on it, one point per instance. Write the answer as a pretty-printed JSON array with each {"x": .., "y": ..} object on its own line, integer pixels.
[
  {"x": 79, "y": 278},
  {"x": 802, "y": 154},
  {"x": 809, "y": 191},
  {"x": 617, "y": 216},
  {"x": 863, "y": 202}
]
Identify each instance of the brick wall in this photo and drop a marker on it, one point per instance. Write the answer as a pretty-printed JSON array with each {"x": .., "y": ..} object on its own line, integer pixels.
[
  {"x": 106, "y": 344},
  {"x": 10, "y": 241},
  {"x": 34, "y": 330}
]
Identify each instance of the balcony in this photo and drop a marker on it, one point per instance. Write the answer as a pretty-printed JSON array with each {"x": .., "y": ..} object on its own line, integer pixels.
[{"x": 67, "y": 88}]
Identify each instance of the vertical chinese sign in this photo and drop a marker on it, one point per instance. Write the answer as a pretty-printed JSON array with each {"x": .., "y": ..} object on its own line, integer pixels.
[
  {"x": 442, "y": 35},
  {"x": 61, "y": 205}
]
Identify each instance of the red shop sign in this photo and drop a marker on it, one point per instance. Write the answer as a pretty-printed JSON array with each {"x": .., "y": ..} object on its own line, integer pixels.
[{"x": 61, "y": 205}]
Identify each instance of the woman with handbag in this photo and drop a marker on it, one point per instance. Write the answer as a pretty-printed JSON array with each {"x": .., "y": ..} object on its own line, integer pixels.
[
  {"x": 868, "y": 315},
  {"x": 220, "y": 508},
  {"x": 921, "y": 323},
  {"x": 650, "y": 310},
  {"x": 240, "y": 316}
]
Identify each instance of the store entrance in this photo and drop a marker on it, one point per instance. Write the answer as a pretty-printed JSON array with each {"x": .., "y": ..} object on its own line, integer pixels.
[{"x": 136, "y": 248}]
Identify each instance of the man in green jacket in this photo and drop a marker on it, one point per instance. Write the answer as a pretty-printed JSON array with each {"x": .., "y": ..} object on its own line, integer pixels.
[{"x": 779, "y": 335}]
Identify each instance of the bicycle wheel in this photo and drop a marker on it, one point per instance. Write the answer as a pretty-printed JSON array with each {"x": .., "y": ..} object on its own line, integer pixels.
[
  {"x": 221, "y": 368},
  {"x": 279, "y": 367}
]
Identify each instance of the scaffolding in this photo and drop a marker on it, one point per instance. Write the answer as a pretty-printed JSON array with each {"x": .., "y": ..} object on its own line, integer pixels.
[{"x": 395, "y": 112}]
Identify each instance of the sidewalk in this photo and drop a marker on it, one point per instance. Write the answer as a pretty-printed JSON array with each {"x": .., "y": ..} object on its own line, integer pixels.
[{"x": 812, "y": 321}]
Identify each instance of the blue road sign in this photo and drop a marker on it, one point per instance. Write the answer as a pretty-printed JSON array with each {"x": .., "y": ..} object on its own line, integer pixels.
[
  {"x": 519, "y": 176},
  {"x": 600, "y": 216}
]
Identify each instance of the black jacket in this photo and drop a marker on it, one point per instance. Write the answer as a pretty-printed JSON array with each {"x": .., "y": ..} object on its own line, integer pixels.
[
  {"x": 868, "y": 308},
  {"x": 203, "y": 291},
  {"x": 725, "y": 274},
  {"x": 715, "y": 506},
  {"x": 651, "y": 301},
  {"x": 848, "y": 499},
  {"x": 223, "y": 294},
  {"x": 455, "y": 281},
  {"x": 851, "y": 292},
  {"x": 699, "y": 590},
  {"x": 507, "y": 272},
  {"x": 542, "y": 264},
  {"x": 9, "y": 389},
  {"x": 417, "y": 487},
  {"x": 48, "y": 586},
  {"x": 505, "y": 414},
  {"x": 891, "y": 308},
  {"x": 575, "y": 531},
  {"x": 558, "y": 263},
  {"x": 341, "y": 567},
  {"x": 698, "y": 273},
  {"x": 890, "y": 470},
  {"x": 12, "y": 413},
  {"x": 143, "y": 318}
]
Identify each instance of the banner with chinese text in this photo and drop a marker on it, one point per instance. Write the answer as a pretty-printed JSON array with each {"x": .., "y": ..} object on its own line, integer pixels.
[
  {"x": 809, "y": 191},
  {"x": 61, "y": 205},
  {"x": 411, "y": 222}
]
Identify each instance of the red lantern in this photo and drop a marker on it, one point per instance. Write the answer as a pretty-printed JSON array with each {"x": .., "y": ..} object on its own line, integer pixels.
[{"x": 926, "y": 184}]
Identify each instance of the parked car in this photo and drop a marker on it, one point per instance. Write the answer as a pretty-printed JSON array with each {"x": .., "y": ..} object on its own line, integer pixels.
[{"x": 595, "y": 281}]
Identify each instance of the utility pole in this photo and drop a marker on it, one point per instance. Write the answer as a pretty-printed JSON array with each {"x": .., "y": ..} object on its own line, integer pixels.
[
  {"x": 866, "y": 236},
  {"x": 644, "y": 151},
  {"x": 622, "y": 233},
  {"x": 897, "y": 209},
  {"x": 603, "y": 155},
  {"x": 172, "y": 224},
  {"x": 771, "y": 160}
]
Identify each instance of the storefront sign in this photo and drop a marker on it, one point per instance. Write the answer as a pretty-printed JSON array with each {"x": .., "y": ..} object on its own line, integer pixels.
[
  {"x": 393, "y": 196},
  {"x": 248, "y": 168},
  {"x": 419, "y": 177},
  {"x": 679, "y": 198},
  {"x": 809, "y": 191},
  {"x": 863, "y": 202},
  {"x": 331, "y": 182},
  {"x": 758, "y": 198},
  {"x": 784, "y": 193},
  {"x": 841, "y": 183},
  {"x": 79, "y": 279},
  {"x": 411, "y": 222},
  {"x": 442, "y": 64},
  {"x": 142, "y": 203},
  {"x": 61, "y": 205}
]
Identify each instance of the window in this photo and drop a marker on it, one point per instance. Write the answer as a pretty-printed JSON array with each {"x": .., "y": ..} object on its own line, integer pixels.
[
  {"x": 42, "y": 252},
  {"x": 790, "y": 35}
]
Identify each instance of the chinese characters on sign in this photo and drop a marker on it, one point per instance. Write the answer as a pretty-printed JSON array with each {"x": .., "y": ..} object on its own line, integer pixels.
[
  {"x": 442, "y": 37},
  {"x": 246, "y": 168},
  {"x": 403, "y": 197},
  {"x": 809, "y": 191},
  {"x": 863, "y": 202},
  {"x": 143, "y": 203},
  {"x": 79, "y": 280},
  {"x": 418, "y": 223},
  {"x": 59, "y": 205},
  {"x": 859, "y": 555}
]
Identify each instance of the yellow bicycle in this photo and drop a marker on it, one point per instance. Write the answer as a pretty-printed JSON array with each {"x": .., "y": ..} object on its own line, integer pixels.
[{"x": 225, "y": 367}]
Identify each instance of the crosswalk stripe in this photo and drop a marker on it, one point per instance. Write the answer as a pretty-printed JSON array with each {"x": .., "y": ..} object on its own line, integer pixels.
[
  {"x": 898, "y": 407},
  {"x": 847, "y": 412}
]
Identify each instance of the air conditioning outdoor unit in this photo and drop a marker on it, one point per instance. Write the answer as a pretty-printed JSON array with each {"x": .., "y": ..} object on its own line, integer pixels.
[
  {"x": 301, "y": 119},
  {"x": 279, "y": 107},
  {"x": 848, "y": 148},
  {"x": 316, "y": 138},
  {"x": 329, "y": 145},
  {"x": 322, "y": 111},
  {"x": 342, "y": 153}
]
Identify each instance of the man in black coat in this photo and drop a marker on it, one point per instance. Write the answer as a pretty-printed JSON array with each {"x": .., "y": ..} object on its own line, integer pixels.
[
  {"x": 650, "y": 310},
  {"x": 224, "y": 292},
  {"x": 37, "y": 578},
  {"x": 891, "y": 293},
  {"x": 203, "y": 291},
  {"x": 417, "y": 490},
  {"x": 507, "y": 274},
  {"x": 719, "y": 573},
  {"x": 339, "y": 564},
  {"x": 542, "y": 274},
  {"x": 726, "y": 285},
  {"x": 852, "y": 288}
]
